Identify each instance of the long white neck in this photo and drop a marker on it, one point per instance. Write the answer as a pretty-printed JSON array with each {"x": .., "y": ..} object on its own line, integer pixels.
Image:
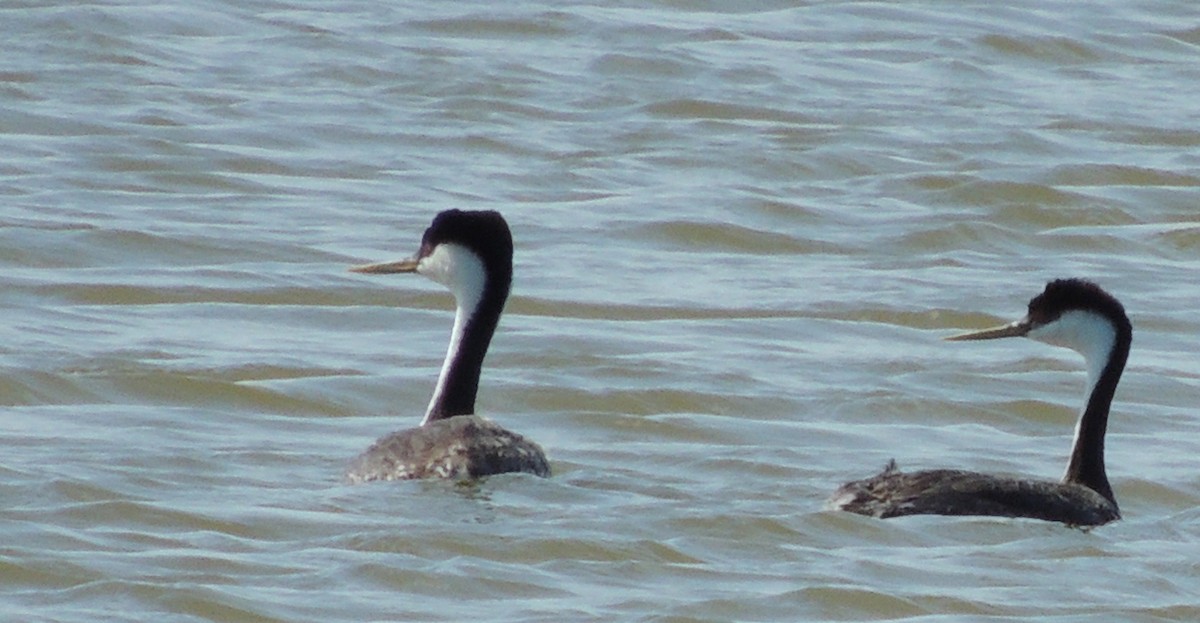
[
  {"x": 1092, "y": 336},
  {"x": 463, "y": 273}
]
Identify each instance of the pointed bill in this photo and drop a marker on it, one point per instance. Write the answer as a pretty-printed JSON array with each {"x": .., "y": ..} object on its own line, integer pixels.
[
  {"x": 385, "y": 268},
  {"x": 1012, "y": 329}
]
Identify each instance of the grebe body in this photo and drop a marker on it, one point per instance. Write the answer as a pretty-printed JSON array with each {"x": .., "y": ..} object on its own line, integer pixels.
[
  {"x": 470, "y": 252},
  {"x": 1073, "y": 313}
]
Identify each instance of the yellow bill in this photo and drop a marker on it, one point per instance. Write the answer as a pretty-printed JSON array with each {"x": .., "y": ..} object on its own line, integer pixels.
[
  {"x": 1012, "y": 329},
  {"x": 385, "y": 268}
]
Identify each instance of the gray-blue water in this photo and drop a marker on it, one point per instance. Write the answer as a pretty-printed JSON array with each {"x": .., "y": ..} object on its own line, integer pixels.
[{"x": 741, "y": 234}]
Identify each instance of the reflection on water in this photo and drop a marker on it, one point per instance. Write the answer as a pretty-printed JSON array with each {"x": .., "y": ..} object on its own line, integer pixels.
[{"x": 740, "y": 235}]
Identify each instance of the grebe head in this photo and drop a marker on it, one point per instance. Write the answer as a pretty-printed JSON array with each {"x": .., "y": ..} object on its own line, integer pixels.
[
  {"x": 1072, "y": 313},
  {"x": 1075, "y": 314},
  {"x": 462, "y": 250}
]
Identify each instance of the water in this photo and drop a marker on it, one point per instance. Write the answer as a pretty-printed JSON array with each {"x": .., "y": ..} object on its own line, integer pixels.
[{"x": 741, "y": 233}]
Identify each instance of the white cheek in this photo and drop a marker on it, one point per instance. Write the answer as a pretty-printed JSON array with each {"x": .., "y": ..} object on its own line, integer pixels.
[
  {"x": 457, "y": 268},
  {"x": 1087, "y": 333},
  {"x": 439, "y": 265}
]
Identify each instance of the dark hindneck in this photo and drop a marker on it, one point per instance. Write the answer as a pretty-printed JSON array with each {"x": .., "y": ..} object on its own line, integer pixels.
[
  {"x": 461, "y": 382},
  {"x": 1087, "y": 458}
]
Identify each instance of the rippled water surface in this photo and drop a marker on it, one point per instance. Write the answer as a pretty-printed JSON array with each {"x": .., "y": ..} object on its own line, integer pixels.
[{"x": 741, "y": 233}]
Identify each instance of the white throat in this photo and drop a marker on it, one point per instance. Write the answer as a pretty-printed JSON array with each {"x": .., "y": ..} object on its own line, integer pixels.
[
  {"x": 1087, "y": 333},
  {"x": 459, "y": 269}
]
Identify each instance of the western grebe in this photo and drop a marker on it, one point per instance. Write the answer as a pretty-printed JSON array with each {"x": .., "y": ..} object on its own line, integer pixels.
[
  {"x": 1073, "y": 313},
  {"x": 471, "y": 254}
]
